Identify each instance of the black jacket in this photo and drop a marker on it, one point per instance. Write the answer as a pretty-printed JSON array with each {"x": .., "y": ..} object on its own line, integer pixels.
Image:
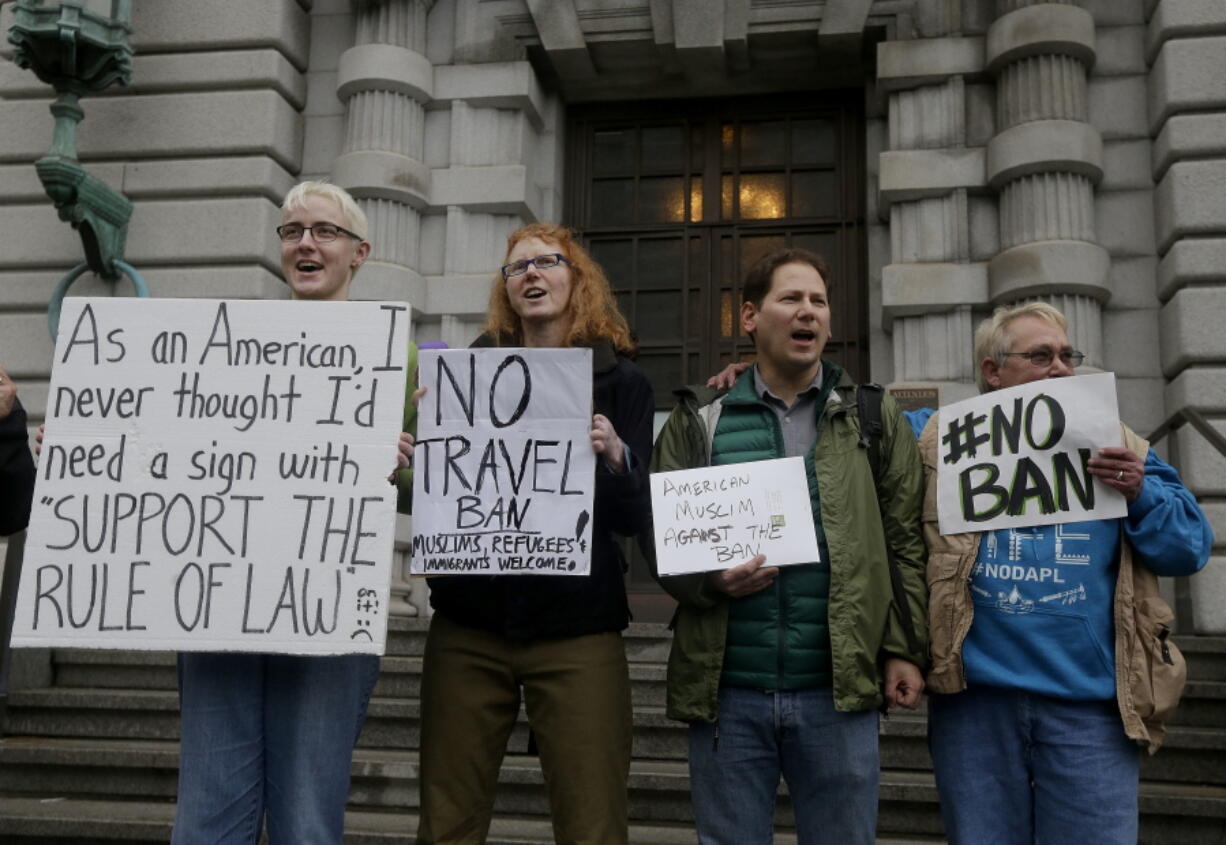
[
  {"x": 16, "y": 472},
  {"x": 526, "y": 607}
]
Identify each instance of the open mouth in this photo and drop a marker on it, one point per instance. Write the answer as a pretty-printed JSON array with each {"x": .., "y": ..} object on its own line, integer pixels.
[
  {"x": 534, "y": 293},
  {"x": 308, "y": 267},
  {"x": 804, "y": 336}
]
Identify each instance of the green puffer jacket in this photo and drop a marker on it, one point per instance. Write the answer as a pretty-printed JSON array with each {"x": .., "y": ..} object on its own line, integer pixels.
[
  {"x": 777, "y": 638},
  {"x": 864, "y": 626}
]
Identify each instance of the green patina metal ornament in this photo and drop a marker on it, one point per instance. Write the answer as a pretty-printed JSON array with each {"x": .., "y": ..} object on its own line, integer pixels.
[{"x": 78, "y": 51}]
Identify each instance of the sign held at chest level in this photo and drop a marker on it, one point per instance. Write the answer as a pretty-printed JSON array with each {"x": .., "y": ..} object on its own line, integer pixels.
[{"x": 1019, "y": 457}]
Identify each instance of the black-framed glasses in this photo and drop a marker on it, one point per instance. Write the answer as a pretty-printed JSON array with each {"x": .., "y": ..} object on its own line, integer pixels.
[
  {"x": 541, "y": 262},
  {"x": 1044, "y": 357},
  {"x": 323, "y": 233}
]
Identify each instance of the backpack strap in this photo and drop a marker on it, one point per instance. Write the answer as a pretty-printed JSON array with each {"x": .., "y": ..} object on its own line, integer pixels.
[{"x": 868, "y": 408}]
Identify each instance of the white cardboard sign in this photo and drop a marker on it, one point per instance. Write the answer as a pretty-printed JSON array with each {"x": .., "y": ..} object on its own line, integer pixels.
[
  {"x": 214, "y": 477},
  {"x": 714, "y": 518},
  {"x": 1017, "y": 457},
  {"x": 503, "y": 469}
]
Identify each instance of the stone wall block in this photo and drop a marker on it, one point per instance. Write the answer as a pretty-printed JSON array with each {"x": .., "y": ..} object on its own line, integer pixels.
[
  {"x": 1183, "y": 19},
  {"x": 1192, "y": 329},
  {"x": 1186, "y": 136},
  {"x": 1202, "y": 387},
  {"x": 1125, "y": 222},
  {"x": 1044, "y": 28},
  {"x": 28, "y": 349},
  {"x": 374, "y": 173},
  {"x": 401, "y": 23},
  {"x": 394, "y": 231},
  {"x": 1191, "y": 200},
  {"x": 1120, "y": 51},
  {"x": 1046, "y": 207},
  {"x": 1132, "y": 282},
  {"x": 1046, "y": 87},
  {"x": 1140, "y": 402},
  {"x": 916, "y": 174},
  {"x": 1118, "y": 107},
  {"x": 1131, "y": 341},
  {"x": 924, "y": 61},
  {"x": 1043, "y": 146},
  {"x": 1203, "y": 468},
  {"x": 1192, "y": 261},
  {"x": 500, "y": 85},
  {"x": 910, "y": 289},
  {"x": 170, "y": 26},
  {"x": 1209, "y": 598},
  {"x": 189, "y": 124},
  {"x": 385, "y": 121},
  {"x": 1126, "y": 166},
  {"x": 476, "y": 242},
  {"x": 1187, "y": 76}
]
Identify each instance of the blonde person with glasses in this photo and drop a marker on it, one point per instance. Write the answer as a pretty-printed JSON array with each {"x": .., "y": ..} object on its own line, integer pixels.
[
  {"x": 558, "y": 639},
  {"x": 268, "y": 738}
]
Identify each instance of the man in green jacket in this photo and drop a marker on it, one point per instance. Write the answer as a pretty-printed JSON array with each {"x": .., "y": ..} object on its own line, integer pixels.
[{"x": 782, "y": 670}]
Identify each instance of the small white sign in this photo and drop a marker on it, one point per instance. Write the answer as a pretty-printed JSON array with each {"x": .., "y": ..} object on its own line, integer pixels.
[
  {"x": 214, "y": 477},
  {"x": 1018, "y": 457},
  {"x": 503, "y": 470},
  {"x": 714, "y": 518}
]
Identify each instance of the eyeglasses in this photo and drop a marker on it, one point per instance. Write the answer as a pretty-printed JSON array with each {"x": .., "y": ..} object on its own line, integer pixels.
[
  {"x": 541, "y": 262},
  {"x": 323, "y": 233},
  {"x": 1044, "y": 357}
]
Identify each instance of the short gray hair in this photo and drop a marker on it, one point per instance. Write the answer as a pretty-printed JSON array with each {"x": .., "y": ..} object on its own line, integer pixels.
[{"x": 992, "y": 338}]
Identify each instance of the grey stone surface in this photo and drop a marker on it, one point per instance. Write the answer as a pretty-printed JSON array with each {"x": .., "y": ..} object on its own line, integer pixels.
[
  {"x": 1124, "y": 222},
  {"x": 384, "y": 175},
  {"x": 189, "y": 124},
  {"x": 1114, "y": 12},
  {"x": 1186, "y": 76},
  {"x": 1043, "y": 146},
  {"x": 1208, "y": 589},
  {"x": 1118, "y": 107},
  {"x": 504, "y": 85},
  {"x": 1126, "y": 166},
  {"x": 906, "y": 64},
  {"x": 1192, "y": 261},
  {"x": 331, "y": 35},
  {"x": 1130, "y": 340},
  {"x": 1132, "y": 282},
  {"x": 914, "y": 174},
  {"x": 909, "y": 289},
  {"x": 165, "y": 26},
  {"x": 1191, "y": 329},
  {"x": 1041, "y": 29},
  {"x": 1191, "y": 200},
  {"x": 1140, "y": 401},
  {"x": 1202, "y": 388},
  {"x": 502, "y": 189},
  {"x": 1120, "y": 50},
  {"x": 385, "y": 67},
  {"x": 1044, "y": 268},
  {"x": 1186, "y": 136},
  {"x": 1182, "y": 19}
]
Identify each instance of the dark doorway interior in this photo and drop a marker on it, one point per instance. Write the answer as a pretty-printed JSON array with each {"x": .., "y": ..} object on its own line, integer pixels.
[{"x": 677, "y": 199}]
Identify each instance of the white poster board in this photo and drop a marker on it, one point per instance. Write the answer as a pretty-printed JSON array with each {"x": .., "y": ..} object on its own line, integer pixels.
[
  {"x": 714, "y": 518},
  {"x": 503, "y": 469},
  {"x": 1017, "y": 457},
  {"x": 214, "y": 477}
]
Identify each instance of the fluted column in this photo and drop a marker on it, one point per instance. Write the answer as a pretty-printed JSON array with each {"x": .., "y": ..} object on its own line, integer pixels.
[
  {"x": 1044, "y": 162},
  {"x": 385, "y": 80}
]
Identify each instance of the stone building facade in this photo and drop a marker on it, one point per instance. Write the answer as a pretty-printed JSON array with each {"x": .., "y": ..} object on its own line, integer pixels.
[{"x": 969, "y": 153}]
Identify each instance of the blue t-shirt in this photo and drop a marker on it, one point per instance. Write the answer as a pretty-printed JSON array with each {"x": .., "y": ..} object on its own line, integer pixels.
[{"x": 1044, "y": 596}]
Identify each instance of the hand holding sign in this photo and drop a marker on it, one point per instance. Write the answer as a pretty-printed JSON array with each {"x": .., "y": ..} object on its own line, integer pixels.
[
  {"x": 744, "y": 580},
  {"x": 1121, "y": 469}
]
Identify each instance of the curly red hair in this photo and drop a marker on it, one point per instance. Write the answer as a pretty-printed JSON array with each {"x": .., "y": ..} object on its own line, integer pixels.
[{"x": 592, "y": 308}]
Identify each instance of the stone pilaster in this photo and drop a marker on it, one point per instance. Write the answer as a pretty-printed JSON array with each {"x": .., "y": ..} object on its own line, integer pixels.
[
  {"x": 1186, "y": 52},
  {"x": 1044, "y": 161},
  {"x": 385, "y": 81},
  {"x": 928, "y": 174}
]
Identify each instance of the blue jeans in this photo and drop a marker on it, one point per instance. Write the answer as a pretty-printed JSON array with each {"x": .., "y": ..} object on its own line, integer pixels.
[
  {"x": 1014, "y": 768},
  {"x": 268, "y": 733},
  {"x": 828, "y": 759}
]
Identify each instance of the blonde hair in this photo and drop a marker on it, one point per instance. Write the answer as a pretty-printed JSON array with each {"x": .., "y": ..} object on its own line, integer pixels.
[
  {"x": 592, "y": 309},
  {"x": 355, "y": 218},
  {"x": 992, "y": 338}
]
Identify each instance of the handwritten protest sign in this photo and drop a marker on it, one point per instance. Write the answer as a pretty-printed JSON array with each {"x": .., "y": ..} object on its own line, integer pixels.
[
  {"x": 214, "y": 477},
  {"x": 717, "y": 517},
  {"x": 503, "y": 471},
  {"x": 1017, "y": 457}
]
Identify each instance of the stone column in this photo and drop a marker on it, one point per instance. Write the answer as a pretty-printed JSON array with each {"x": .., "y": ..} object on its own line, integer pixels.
[
  {"x": 1044, "y": 161},
  {"x": 385, "y": 81},
  {"x": 1186, "y": 51}
]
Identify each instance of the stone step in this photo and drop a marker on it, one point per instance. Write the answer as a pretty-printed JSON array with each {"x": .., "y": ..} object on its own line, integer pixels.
[
  {"x": 1206, "y": 657},
  {"x": 55, "y": 821}
]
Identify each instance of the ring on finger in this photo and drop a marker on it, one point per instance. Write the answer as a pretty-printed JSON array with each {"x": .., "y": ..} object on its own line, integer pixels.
[{"x": 1119, "y": 476}]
